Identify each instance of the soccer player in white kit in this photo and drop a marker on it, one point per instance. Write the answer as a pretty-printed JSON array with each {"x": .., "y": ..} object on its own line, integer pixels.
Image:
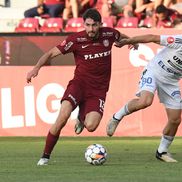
[{"x": 162, "y": 73}]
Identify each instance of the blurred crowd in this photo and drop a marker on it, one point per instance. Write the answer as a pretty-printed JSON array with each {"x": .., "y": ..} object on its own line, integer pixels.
[
  {"x": 160, "y": 13},
  {"x": 163, "y": 13},
  {"x": 157, "y": 13}
]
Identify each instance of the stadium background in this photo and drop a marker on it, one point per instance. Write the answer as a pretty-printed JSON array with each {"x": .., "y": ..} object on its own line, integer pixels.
[{"x": 29, "y": 109}]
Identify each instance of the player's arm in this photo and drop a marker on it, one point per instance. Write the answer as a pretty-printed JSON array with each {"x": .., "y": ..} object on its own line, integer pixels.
[
  {"x": 144, "y": 39},
  {"x": 122, "y": 39},
  {"x": 140, "y": 39},
  {"x": 42, "y": 61}
]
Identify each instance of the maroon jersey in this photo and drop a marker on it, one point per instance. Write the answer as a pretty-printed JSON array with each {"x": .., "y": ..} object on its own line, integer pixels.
[{"x": 92, "y": 57}]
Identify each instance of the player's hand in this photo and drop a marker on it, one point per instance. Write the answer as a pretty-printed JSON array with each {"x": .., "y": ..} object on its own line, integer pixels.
[
  {"x": 124, "y": 42},
  {"x": 32, "y": 74},
  {"x": 133, "y": 46}
]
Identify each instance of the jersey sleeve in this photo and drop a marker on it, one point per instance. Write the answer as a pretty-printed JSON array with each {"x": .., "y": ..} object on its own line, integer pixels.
[
  {"x": 171, "y": 41},
  {"x": 67, "y": 45},
  {"x": 116, "y": 35}
]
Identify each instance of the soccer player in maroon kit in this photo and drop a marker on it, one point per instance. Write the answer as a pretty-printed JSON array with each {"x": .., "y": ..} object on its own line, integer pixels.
[{"x": 88, "y": 88}]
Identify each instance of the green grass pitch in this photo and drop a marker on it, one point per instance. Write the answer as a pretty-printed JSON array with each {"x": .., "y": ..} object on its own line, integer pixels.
[{"x": 129, "y": 160}]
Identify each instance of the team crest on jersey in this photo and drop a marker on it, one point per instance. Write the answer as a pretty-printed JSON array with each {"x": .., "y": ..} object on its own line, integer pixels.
[
  {"x": 106, "y": 42},
  {"x": 170, "y": 40}
]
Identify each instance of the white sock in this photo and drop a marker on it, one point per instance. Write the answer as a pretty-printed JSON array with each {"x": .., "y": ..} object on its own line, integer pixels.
[
  {"x": 122, "y": 112},
  {"x": 165, "y": 143}
]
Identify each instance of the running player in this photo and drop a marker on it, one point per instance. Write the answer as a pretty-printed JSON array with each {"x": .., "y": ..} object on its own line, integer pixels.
[
  {"x": 88, "y": 88},
  {"x": 162, "y": 74}
]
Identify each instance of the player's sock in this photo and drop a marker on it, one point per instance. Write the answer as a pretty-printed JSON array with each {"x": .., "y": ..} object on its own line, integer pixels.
[
  {"x": 122, "y": 112},
  {"x": 50, "y": 143},
  {"x": 165, "y": 143}
]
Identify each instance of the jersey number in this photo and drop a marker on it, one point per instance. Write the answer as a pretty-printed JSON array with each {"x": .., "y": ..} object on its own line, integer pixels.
[{"x": 101, "y": 105}]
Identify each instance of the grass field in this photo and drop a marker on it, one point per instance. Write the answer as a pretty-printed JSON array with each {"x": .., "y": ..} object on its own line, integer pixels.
[{"x": 129, "y": 160}]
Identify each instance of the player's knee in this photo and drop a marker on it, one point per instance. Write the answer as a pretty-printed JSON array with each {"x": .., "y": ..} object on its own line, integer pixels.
[
  {"x": 145, "y": 103},
  {"x": 90, "y": 127},
  {"x": 175, "y": 121}
]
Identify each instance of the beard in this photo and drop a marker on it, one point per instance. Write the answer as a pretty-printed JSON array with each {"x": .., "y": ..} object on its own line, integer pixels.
[{"x": 93, "y": 35}]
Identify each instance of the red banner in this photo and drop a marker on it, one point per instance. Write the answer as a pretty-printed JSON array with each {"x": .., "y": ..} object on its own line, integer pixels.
[{"x": 30, "y": 109}]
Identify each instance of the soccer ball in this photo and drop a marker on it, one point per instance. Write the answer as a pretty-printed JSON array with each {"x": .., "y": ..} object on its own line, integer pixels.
[{"x": 96, "y": 154}]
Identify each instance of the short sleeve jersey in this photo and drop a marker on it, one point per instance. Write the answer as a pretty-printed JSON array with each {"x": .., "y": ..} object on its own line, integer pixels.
[
  {"x": 168, "y": 62},
  {"x": 92, "y": 57}
]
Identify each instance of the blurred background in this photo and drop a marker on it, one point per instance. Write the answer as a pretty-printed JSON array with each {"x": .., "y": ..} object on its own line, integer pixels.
[
  {"x": 30, "y": 28},
  {"x": 64, "y": 15}
]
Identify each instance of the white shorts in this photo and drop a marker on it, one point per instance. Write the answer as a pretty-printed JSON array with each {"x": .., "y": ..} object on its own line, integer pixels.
[{"x": 169, "y": 93}]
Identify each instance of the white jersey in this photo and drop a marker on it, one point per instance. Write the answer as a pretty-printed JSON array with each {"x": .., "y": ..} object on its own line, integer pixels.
[{"x": 167, "y": 64}]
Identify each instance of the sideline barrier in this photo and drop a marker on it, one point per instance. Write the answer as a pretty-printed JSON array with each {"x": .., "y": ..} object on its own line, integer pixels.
[{"x": 30, "y": 109}]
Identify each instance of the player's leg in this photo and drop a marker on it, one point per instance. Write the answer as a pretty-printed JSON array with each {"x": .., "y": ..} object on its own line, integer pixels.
[
  {"x": 169, "y": 132},
  {"x": 94, "y": 108},
  {"x": 54, "y": 132},
  {"x": 170, "y": 96},
  {"x": 87, "y": 119},
  {"x": 144, "y": 101},
  {"x": 91, "y": 111},
  {"x": 70, "y": 100},
  {"x": 147, "y": 87},
  {"x": 174, "y": 120},
  {"x": 92, "y": 121},
  {"x": 79, "y": 126}
]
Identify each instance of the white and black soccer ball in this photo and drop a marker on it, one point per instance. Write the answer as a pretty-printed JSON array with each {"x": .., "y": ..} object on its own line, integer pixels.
[{"x": 96, "y": 154}]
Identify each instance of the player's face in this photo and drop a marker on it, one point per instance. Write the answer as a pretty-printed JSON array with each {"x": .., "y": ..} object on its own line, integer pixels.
[{"x": 92, "y": 27}]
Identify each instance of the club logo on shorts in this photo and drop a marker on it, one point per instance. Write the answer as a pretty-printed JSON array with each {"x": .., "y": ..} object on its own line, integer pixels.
[
  {"x": 72, "y": 98},
  {"x": 106, "y": 43},
  {"x": 170, "y": 40},
  {"x": 68, "y": 45},
  {"x": 176, "y": 93},
  {"x": 63, "y": 43}
]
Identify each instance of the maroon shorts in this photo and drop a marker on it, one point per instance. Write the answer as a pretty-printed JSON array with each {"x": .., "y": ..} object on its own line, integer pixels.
[{"x": 87, "y": 99}]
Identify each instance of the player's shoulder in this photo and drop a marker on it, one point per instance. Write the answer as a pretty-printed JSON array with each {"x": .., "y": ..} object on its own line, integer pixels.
[
  {"x": 171, "y": 41},
  {"x": 107, "y": 29},
  {"x": 108, "y": 32},
  {"x": 172, "y": 38},
  {"x": 78, "y": 36}
]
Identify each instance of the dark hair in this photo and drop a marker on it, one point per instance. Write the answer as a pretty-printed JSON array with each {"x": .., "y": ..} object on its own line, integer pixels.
[
  {"x": 161, "y": 9},
  {"x": 93, "y": 14}
]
